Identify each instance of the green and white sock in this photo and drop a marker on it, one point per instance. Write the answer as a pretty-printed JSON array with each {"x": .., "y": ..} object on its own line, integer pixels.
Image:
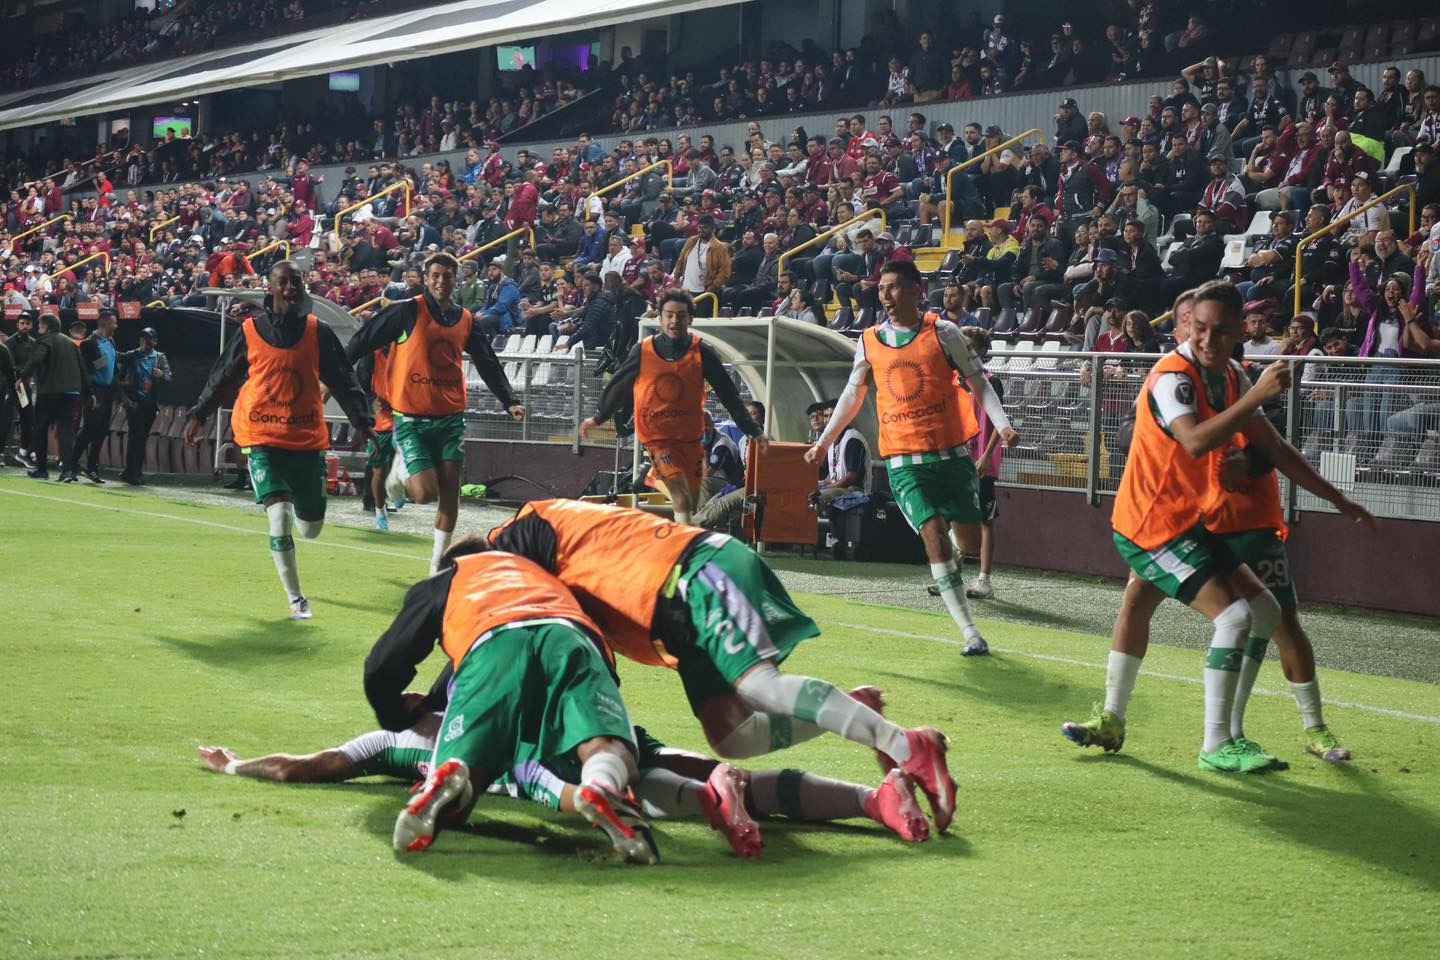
[
  {"x": 952, "y": 591},
  {"x": 282, "y": 547},
  {"x": 1249, "y": 670},
  {"x": 1120, "y": 673},
  {"x": 1307, "y": 698},
  {"x": 1222, "y": 672}
]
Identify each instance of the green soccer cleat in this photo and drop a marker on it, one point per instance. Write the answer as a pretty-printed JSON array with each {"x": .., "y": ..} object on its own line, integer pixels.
[
  {"x": 1256, "y": 760},
  {"x": 1103, "y": 729},
  {"x": 1321, "y": 742},
  {"x": 1227, "y": 758}
]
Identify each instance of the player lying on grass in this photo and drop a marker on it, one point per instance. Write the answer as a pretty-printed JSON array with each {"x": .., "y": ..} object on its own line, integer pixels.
[
  {"x": 707, "y": 606},
  {"x": 278, "y": 363},
  {"x": 533, "y": 682},
  {"x": 1190, "y": 407},
  {"x": 671, "y": 783},
  {"x": 1244, "y": 510}
]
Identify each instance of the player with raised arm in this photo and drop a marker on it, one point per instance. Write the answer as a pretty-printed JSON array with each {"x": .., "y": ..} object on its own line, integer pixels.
[
  {"x": 665, "y": 376},
  {"x": 427, "y": 391},
  {"x": 707, "y": 606},
  {"x": 533, "y": 681},
  {"x": 280, "y": 361},
  {"x": 1244, "y": 509},
  {"x": 924, "y": 431}
]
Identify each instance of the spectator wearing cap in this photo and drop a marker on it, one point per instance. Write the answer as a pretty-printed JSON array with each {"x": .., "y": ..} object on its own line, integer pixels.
[
  {"x": 500, "y": 311},
  {"x": 998, "y": 266},
  {"x": 142, "y": 370},
  {"x": 1302, "y": 173},
  {"x": 1427, "y": 174},
  {"x": 1082, "y": 185},
  {"x": 62, "y": 391},
  {"x": 1310, "y": 104},
  {"x": 703, "y": 264},
  {"x": 1362, "y": 229},
  {"x": 1342, "y": 84},
  {"x": 1197, "y": 258},
  {"x": 1215, "y": 140},
  {"x": 1103, "y": 285},
  {"x": 559, "y": 236},
  {"x": 1224, "y": 196},
  {"x": 1272, "y": 265},
  {"x": 1070, "y": 126}
]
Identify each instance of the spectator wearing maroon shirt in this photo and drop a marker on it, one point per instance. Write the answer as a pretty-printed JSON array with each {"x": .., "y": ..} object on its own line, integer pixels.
[
  {"x": 880, "y": 188},
  {"x": 1302, "y": 173},
  {"x": 1224, "y": 197},
  {"x": 1346, "y": 160}
]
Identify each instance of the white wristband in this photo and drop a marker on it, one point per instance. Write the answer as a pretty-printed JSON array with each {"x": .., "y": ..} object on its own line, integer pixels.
[{"x": 232, "y": 767}]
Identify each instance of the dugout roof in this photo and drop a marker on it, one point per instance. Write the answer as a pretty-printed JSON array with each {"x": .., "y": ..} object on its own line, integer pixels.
[{"x": 446, "y": 28}]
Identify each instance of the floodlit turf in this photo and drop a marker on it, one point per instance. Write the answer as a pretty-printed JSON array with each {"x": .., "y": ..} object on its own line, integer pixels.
[{"x": 129, "y": 637}]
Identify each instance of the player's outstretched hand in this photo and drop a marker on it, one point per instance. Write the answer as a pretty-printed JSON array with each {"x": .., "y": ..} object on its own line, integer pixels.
[
  {"x": 517, "y": 413},
  {"x": 1010, "y": 437},
  {"x": 216, "y": 758},
  {"x": 1357, "y": 513},
  {"x": 814, "y": 454},
  {"x": 192, "y": 432},
  {"x": 586, "y": 426},
  {"x": 1273, "y": 382}
]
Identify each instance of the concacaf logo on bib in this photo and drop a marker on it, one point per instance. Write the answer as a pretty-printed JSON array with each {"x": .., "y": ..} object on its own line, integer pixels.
[
  {"x": 905, "y": 380},
  {"x": 442, "y": 355},
  {"x": 284, "y": 385},
  {"x": 669, "y": 387}
]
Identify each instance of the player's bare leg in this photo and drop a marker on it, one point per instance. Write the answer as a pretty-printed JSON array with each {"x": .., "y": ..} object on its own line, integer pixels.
[
  {"x": 983, "y": 590},
  {"x": 379, "y": 494}
]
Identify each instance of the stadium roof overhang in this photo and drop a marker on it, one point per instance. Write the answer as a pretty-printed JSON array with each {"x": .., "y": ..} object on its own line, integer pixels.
[
  {"x": 405, "y": 36},
  {"x": 787, "y": 363}
]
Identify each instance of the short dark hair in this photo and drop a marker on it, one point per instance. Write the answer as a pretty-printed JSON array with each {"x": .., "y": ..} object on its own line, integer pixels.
[
  {"x": 76, "y": 325},
  {"x": 48, "y": 321},
  {"x": 706, "y": 220},
  {"x": 1222, "y": 292},
  {"x": 905, "y": 269},
  {"x": 676, "y": 296},
  {"x": 441, "y": 259}
]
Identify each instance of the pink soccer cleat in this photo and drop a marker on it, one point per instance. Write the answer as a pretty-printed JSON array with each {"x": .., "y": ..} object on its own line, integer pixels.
[
  {"x": 894, "y": 805},
  {"x": 723, "y": 803},
  {"x": 927, "y": 765}
]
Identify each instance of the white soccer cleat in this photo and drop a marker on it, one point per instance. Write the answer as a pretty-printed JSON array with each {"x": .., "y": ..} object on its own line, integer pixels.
[
  {"x": 416, "y": 826},
  {"x": 982, "y": 590},
  {"x": 620, "y": 821},
  {"x": 300, "y": 609},
  {"x": 394, "y": 484}
]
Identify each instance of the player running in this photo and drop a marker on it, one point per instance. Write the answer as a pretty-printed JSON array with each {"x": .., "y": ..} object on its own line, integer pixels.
[
  {"x": 665, "y": 375},
  {"x": 427, "y": 391},
  {"x": 706, "y": 605},
  {"x": 533, "y": 681},
  {"x": 373, "y": 373},
  {"x": 924, "y": 428},
  {"x": 1244, "y": 509},
  {"x": 279, "y": 362}
]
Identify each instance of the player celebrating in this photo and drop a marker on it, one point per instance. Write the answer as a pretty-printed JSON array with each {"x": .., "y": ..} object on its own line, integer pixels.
[
  {"x": 666, "y": 376},
  {"x": 373, "y": 373},
  {"x": 279, "y": 362},
  {"x": 708, "y": 606},
  {"x": 924, "y": 433},
  {"x": 1244, "y": 509},
  {"x": 427, "y": 391},
  {"x": 528, "y": 664}
]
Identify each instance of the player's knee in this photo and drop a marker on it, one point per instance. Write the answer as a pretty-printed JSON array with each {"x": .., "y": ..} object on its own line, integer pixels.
[
  {"x": 749, "y": 738},
  {"x": 766, "y": 689},
  {"x": 309, "y": 529},
  {"x": 1235, "y": 617},
  {"x": 1264, "y": 614}
]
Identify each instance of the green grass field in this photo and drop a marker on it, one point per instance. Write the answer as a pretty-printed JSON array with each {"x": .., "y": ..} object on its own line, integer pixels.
[{"x": 136, "y": 628}]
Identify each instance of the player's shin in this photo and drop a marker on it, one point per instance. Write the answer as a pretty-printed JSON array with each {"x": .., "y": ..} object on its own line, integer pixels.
[
  {"x": 282, "y": 546},
  {"x": 1120, "y": 673},
  {"x": 1264, "y": 619},
  {"x": 665, "y": 793},
  {"x": 1222, "y": 672},
  {"x": 817, "y": 702},
  {"x": 437, "y": 550},
  {"x": 952, "y": 591}
]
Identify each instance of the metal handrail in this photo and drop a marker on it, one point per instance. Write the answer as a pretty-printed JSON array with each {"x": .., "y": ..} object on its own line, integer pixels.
[
  {"x": 822, "y": 237},
  {"x": 156, "y": 303},
  {"x": 1333, "y": 225},
  {"x": 402, "y": 185},
  {"x": 80, "y": 263},
  {"x": 25, "y": 233},
  {"x": 712, "y": 296},
  {"x": 367, "y": 305},
  {"x": 949, "y": 178},
  {"x": 1162, "y": 318},
  {"x": 499, "y": 240},
  {"x": 669, "y": 173},
  {"x": 161, "y": 226},
  {"x": 250, "y": 257}
]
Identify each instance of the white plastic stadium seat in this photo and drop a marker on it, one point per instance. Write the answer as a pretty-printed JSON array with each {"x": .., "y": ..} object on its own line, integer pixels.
[
  {"x": 1234, "y": 253},
  {"x": 1393, "y": 167},
  {"x": 1259, "y": 224}
]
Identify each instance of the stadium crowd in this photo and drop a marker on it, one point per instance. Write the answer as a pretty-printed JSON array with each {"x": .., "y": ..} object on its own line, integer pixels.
[{"x": 1079, "y": 241}]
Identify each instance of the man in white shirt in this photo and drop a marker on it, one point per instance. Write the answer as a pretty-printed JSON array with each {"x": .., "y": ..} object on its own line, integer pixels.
[
  {"x": 618, "y": 256},
  {"x": 1258, "y": 342},
  {"x": 847, "y": 463},
  {"x": 1372, "y": 221}
]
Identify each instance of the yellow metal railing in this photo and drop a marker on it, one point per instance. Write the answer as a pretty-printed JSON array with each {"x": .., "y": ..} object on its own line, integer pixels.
[
  {"x": 161, "y": 226},
  {"x": 1334, "y": 225},
  {"x": 402, "y": 185},
  {"x": 25, "y": 233},
  {"x": 1162, "y": 318},
  {"x": 102, "y": 255},
  {"x": 367, "y": 305},
  {"x": 156, "y": 303},
  {"x": 278, "y": 244},
  {"x": 669, "y": 174},
  {"x": 822, "y": 237},
  {"x": 950, "y": 178},
  {"x": 499, "y": 240},
  {"x": 708, "y": 295}
]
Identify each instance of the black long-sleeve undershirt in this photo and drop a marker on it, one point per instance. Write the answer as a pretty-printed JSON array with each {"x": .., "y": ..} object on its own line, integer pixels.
[
  {"x": 398, "y": 320},
  {"x": 233, "y": 366},
  {"x": 620, "y": 390},
  {"x": 410, "y": 639}
]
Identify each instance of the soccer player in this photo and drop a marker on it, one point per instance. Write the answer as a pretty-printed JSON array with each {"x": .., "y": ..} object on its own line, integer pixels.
[
  {"x": 985, "y": 451},
  {"x": 665, "y": 374},
  {"x": 1244, "y": 509},
  {"x": 706, "y": 605},
  {"x": 533, "y": 681},
  {"x": 924, "y": 431},
  {"x": 373, "y": 374},
  {"x": 1191, "y": 405},
  {"x": 427, "y": 391},
  {"x": 278, "y": 362}
]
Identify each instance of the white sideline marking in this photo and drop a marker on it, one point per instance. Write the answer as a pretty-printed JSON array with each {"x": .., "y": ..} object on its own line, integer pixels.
[
  {"x": 1369, "y": 708},
  {"x": 203, "y": 523}
]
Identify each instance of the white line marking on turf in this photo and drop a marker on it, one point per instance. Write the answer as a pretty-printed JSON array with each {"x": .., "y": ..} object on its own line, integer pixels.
[
  {"x": 1369, "y": 708},
  {"x": 203, "y": 523}
]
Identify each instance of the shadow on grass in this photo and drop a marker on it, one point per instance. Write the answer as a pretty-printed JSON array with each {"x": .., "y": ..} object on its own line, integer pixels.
[
  {"x": 239, "y": 649},
  {"x": 1013, "y": 684},
  {"x": 1360, "y": 821}
]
